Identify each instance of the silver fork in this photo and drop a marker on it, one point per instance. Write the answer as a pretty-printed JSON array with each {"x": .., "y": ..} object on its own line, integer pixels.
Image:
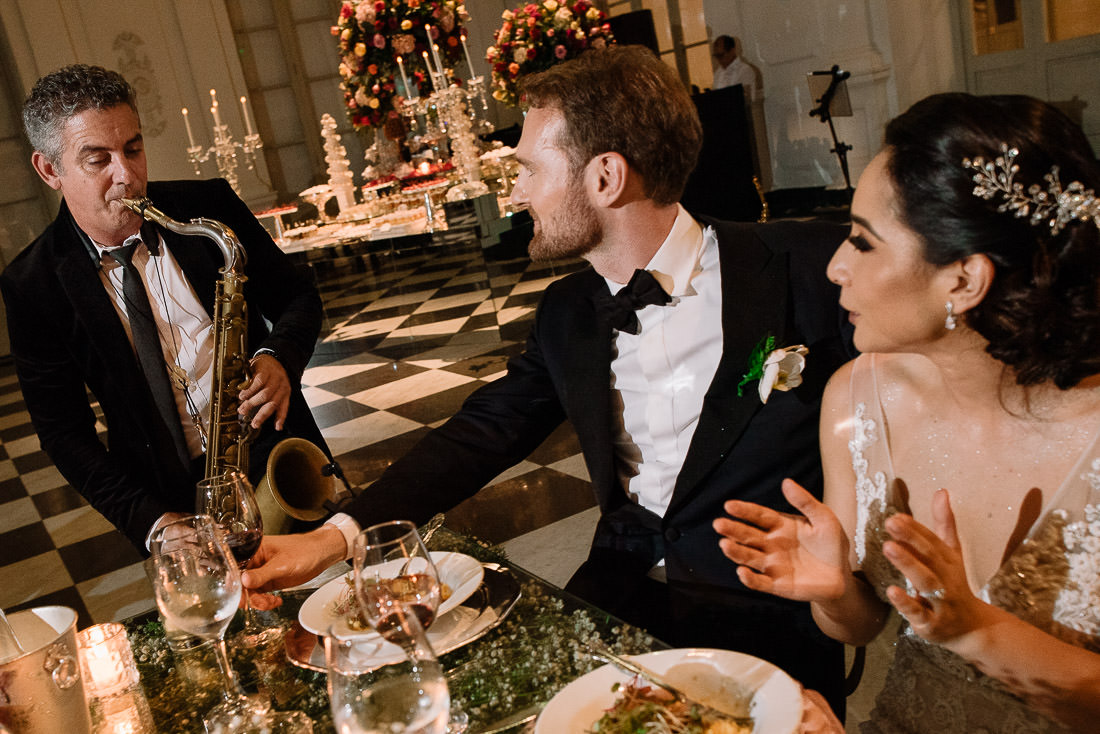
[{"x": 627, "y": 665}]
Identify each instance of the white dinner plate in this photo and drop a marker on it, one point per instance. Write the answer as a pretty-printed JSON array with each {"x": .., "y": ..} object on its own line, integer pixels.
[
  {"x": 459, "y": 571},
  {"x": 710, "y": 676}
]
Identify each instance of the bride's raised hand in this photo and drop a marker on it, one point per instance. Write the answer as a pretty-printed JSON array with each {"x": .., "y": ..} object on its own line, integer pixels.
[
  {"x": 941, "y": 607},
  {"x": 802, "y": 557}
]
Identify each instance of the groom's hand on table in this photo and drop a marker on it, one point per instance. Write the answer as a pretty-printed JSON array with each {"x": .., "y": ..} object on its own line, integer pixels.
[{"x": 289, "y": 560}]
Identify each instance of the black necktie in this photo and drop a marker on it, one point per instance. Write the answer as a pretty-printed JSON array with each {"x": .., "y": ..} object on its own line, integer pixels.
[
  {"x": 619, "y": 309},
  {"x": 147, "y": 343}
]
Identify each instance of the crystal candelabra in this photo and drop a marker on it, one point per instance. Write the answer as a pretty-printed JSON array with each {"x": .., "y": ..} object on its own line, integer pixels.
[
  {"x": 458, "y": 113},
  {"x": 225, "y": 147}
]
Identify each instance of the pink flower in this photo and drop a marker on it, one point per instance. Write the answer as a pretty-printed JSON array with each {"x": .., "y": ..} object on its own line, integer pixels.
[
  {"x": 559, "y": 52},
  {"x": 345, "y": 11},
  {"x": 379, "y": 40},
  {"x": 447, "y": 21},
  {"x": 404, "y": 44},
  {"x": 531, "y": 22},
  {"x": 513, "y": 68},
  {"x": 531, "y": 9},
  {"x": 379, "y": 6}
]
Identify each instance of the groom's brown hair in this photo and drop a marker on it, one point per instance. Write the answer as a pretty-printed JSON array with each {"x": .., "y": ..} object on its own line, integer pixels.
[{"x": 625, "y": 100}]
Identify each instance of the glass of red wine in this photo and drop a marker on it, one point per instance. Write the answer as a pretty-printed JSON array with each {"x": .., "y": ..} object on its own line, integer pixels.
[
  {"x": 395, "y": 579},
  {"x": 394, "y": 576},
  {"x": 229, "y": 499}
]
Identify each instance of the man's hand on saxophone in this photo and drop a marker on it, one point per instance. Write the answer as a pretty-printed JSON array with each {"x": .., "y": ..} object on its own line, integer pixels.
[{"x": 268, "y": 394}]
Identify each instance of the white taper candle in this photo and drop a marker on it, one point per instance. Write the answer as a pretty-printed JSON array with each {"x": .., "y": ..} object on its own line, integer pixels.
[
  {"x": 247, "y": 121},
  {"x": 187, "y": 123}
]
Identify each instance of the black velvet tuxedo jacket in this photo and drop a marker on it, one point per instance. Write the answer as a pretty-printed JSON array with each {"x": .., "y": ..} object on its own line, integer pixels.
[
  {"x": 67, "y": 339},
  {"x": 773, "y": 281}
]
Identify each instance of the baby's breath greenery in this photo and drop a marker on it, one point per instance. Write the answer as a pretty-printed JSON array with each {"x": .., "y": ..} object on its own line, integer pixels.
[{"x": 538, "y": 649}]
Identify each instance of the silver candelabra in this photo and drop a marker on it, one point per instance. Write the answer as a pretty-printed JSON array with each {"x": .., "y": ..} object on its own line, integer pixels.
[{"x": 225, "y": 147}]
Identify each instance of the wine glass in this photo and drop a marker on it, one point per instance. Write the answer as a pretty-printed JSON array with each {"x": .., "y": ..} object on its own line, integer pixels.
[
  {"x": 230, "y": 500},
  {"x": 197, "y": 585},
  {"x": 409, "y": 697},
  {"x": 395, "y": 578},
  {"x": 394, "y": 574}
]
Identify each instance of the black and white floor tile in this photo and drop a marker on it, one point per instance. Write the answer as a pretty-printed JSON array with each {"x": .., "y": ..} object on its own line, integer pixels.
[{"x": 408, "y": 335}]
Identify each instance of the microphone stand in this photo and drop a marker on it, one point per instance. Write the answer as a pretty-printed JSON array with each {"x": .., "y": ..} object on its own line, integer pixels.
[{"x": 823, "y": 110}]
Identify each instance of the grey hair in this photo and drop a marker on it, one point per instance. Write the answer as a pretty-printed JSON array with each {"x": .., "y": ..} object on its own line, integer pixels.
[{"x": 66, "y": 92}]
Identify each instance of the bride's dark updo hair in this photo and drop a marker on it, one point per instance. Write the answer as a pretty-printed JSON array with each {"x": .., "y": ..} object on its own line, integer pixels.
[{"x": 1041, "y": 315}]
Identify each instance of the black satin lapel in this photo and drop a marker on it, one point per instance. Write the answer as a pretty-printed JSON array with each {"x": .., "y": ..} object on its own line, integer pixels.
[
  {"x": 754, "y": 305},
  {"x": 588, "y": 366},
  {"x": 194, "y": 255},
  {"x": 92, "y": 306}
]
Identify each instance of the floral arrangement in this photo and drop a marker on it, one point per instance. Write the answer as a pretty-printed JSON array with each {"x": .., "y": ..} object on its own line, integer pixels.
[
  {"x": 536, "y": 36},
  {"x": 371, "y": 34}
]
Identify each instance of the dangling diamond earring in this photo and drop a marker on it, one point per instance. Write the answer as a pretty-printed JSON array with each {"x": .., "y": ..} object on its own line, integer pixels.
[{"x": 950, "y": 322}]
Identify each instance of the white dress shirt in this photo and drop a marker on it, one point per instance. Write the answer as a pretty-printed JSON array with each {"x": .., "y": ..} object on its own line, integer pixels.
[
  {"x": 186, "y": 331},
  {"x": 738, "y": 72},
  {"x": 660, "y": 375}
]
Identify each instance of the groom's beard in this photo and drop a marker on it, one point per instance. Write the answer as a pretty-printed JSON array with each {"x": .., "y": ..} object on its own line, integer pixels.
[{"x": 574, "y": 230}]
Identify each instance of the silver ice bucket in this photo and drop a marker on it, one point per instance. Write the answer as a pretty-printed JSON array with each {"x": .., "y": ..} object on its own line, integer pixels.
[{"x": 42, "y": 689}]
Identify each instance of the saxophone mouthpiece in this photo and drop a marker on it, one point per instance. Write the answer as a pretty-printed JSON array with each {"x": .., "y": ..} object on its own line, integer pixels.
[{"x": 138, "y": 205}]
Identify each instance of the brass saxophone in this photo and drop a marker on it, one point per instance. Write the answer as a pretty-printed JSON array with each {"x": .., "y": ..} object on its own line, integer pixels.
[{"x": 295, "y": 464}]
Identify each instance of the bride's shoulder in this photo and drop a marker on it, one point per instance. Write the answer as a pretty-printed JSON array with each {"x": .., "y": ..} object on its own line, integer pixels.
[{"x": 895, "y": 375}]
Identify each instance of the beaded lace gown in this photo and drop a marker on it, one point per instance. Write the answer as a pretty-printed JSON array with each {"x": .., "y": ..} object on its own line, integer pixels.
[{"x": 1051, "y": 580}]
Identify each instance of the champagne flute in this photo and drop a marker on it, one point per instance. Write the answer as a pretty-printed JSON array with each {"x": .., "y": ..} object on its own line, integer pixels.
[
  {"x": 409, "y": 697},
  {"x": 229, "y": 499},
  {"x": 197, "y": 585}
]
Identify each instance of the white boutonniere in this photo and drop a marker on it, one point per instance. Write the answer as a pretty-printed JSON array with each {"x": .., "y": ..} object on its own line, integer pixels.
[{"x": 776, "y": 369}]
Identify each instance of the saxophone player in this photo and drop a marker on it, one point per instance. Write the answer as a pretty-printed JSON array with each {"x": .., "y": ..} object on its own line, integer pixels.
[{"x": 104, "y": 302}]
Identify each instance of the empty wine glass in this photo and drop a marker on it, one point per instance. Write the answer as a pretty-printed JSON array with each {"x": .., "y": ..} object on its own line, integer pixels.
[
  {"x": 394, "y": 573},
  {"x": 198, "y": 587},
  {"x": 409, "y": 697},
  {"x": 231, "y": 501}
]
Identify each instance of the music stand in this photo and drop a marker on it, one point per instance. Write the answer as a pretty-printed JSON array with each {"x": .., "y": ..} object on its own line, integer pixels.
[{"x": 830, "y": 93}]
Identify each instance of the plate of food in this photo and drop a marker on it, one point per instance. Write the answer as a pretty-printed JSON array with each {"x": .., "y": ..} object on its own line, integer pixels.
[
  {"x": 333, "y": 603},
  {"x": 728, "y": 684}
]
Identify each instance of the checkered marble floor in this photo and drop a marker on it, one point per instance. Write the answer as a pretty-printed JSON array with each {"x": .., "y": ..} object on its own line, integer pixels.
[{"x": 407, "y": 336}]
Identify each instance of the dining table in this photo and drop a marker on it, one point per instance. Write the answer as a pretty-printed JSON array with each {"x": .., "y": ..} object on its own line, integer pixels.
[{"x": 518, "y": 641}]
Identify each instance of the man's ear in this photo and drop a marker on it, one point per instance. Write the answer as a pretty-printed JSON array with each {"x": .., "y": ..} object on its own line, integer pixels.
[
  {"x": 47, "y": 170},
  {"x": 973, "y": 277},
  {"x": 606, "y": 178}
]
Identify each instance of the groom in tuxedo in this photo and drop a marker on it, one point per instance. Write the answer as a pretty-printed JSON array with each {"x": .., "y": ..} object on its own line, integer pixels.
[{"x": 648, "y": 354}]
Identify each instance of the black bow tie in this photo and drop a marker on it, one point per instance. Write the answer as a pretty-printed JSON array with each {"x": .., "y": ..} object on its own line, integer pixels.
[{"x": 619, "y": 309}]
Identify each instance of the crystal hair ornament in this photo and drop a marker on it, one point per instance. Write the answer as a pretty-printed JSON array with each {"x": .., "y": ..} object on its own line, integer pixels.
[{"x": 1056, "y": 207}]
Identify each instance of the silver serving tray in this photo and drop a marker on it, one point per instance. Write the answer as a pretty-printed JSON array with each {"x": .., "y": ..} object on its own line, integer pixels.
[{"x": 481, "y": 612}]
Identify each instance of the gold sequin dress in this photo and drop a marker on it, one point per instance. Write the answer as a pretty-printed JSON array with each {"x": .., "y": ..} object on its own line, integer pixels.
[{"x": 1051, "y": 580}]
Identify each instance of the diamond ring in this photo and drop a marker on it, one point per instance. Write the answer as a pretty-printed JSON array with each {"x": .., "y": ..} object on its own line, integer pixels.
[{"x": 936, "y": 594}]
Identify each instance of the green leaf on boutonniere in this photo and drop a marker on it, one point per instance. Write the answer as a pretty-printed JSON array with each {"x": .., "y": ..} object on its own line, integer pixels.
[{"x": 756, "y": 362}]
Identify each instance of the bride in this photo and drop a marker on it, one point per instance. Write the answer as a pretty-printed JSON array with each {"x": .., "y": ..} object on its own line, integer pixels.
[{"x": 962, "y": 449}]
